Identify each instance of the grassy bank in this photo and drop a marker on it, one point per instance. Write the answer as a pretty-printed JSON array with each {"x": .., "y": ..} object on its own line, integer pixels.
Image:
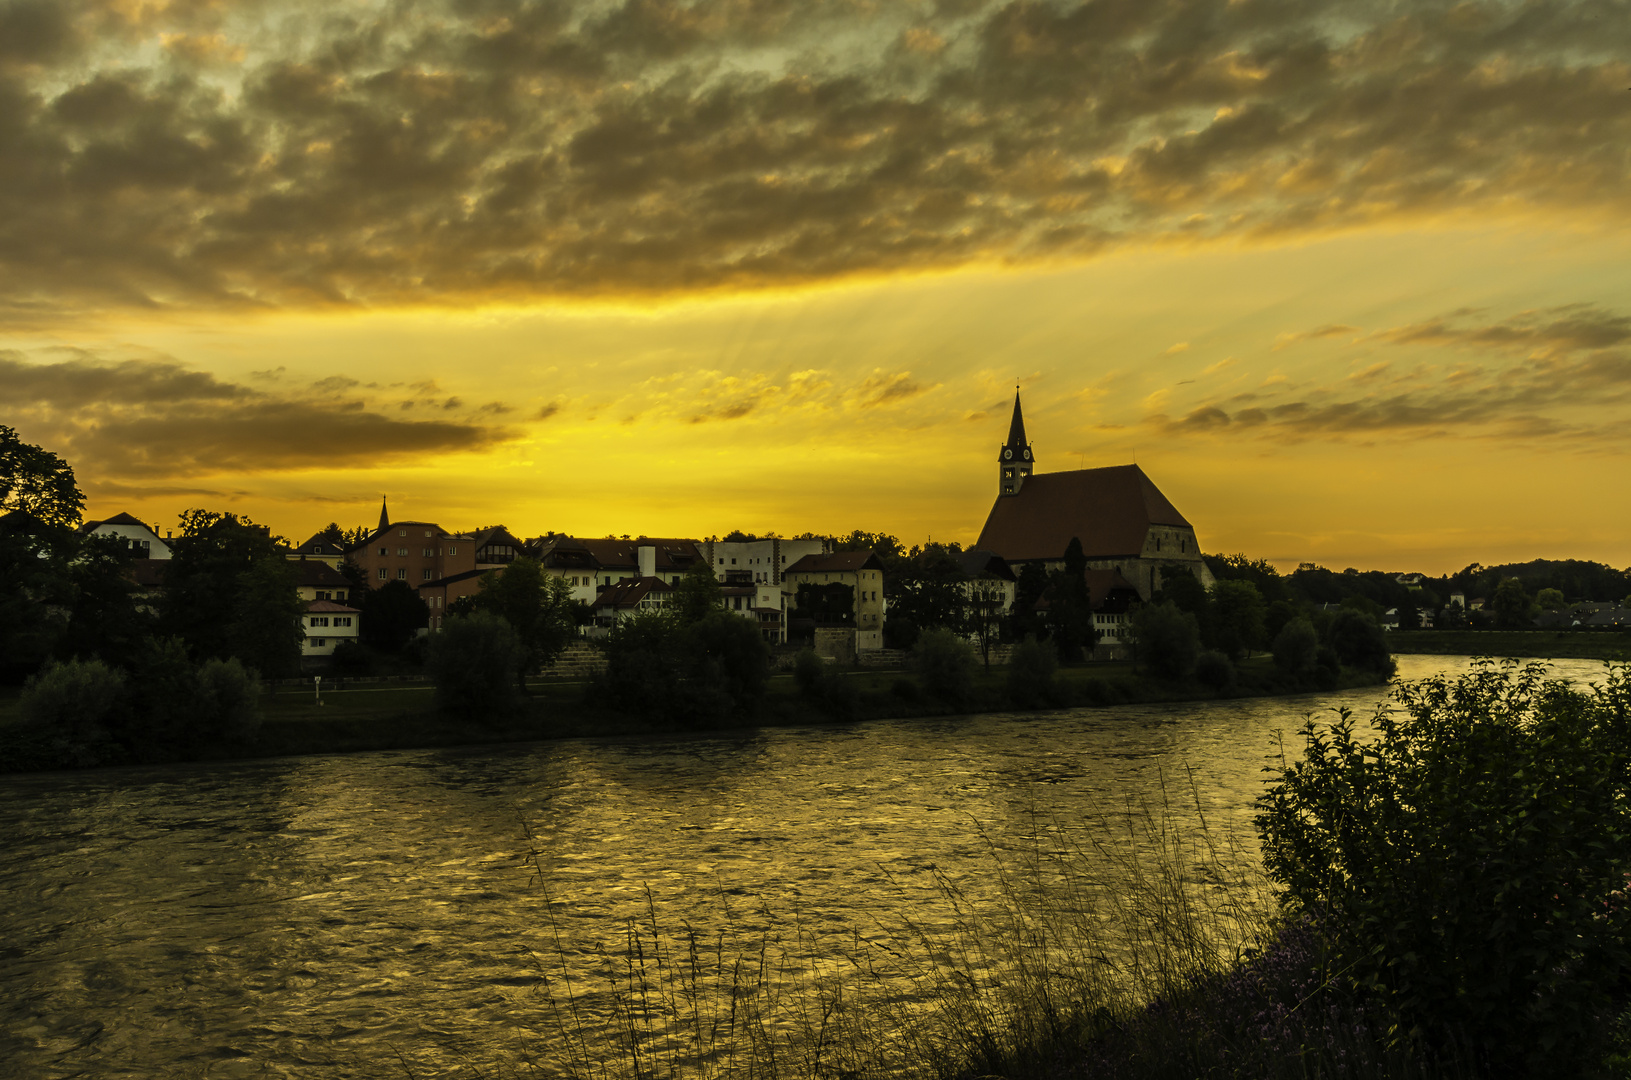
[
  {"x": 404, "y": 716},
  {"x": 1536, "y": 644}
]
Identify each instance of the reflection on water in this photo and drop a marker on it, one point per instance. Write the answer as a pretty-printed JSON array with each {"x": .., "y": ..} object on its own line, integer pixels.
[{"x": 342, "y": 916}]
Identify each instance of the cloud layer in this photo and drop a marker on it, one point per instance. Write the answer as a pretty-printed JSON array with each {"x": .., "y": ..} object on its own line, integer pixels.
[
  {"x": 292, "y": 154},
  {"x": 147, "y": 419}
]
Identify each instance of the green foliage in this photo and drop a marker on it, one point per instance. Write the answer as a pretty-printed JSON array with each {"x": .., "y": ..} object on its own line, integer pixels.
[
  {"x": 473, "y": 661},
  {"x": 696, "y": 675},
  {"x": 1214, "y": 669},
  {"x": 1296, "y": 647},
  {"x": 37, "y": 482},
  {"x": 538, "y": 607},
  {"x": 1260, "y": 574},
  {"x": 820, "y": 684},
  {"x": 1358, "y": 642},
  {"x": 1550, "y": 600},
  {"x": 76, "y": 700},
  {"x": 228, "y": 587},
  {"x": 1031, "y": 668},
  {"x": 1510, "y": 605},
  {"x": 394, "y": 613},
  {"x": 807, "y": 671},
  {"x": 1169, "y": 640},
  {"x": 944, "y": 664},
  {"x": 265, "y": 630},
  {"x": 832, "y": 603},
  {"x": 1236, "y": 617},
  {"x": 1468, "y": 867},
  {"x": 228, "y": 700},
  {"x": 1024, "y": 622},
  {"x": 1179, "y": 586},
  {"x": 1070, "y": 608},
  {"x": 697, "y": 594},
  {"x": 926, "y": 588},
  {"x": 103, "y": 619}
]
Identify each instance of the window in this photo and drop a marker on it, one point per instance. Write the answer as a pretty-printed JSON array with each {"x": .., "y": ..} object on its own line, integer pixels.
[
  {"x": 430, "y": 553},
  {"x": 318, "y": 642},
  {"x": 321, "y": 595},
  {"x": 402, "y": 553},
  {"x": 427, "y": 575},
  {"x": 384, "y": 551},
  {"x": 452, "y": 549},
  {"x": 319, "y": 620},
  {"x": 382, "y": 573},
  {"x": 427, "y": 532},
  {"x": 342, "y": 620},
  {"x": 402, "y": 574},
  {"x": 402, "y": 532},
  {"x": 340, "y": 596}
]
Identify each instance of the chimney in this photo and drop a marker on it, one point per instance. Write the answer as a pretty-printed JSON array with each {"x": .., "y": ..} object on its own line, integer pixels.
[{"x": 646, "y": 555}]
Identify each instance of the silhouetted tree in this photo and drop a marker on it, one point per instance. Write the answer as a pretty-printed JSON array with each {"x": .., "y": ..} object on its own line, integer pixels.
[
  {"x": 37, "y": 482},
  {"x": 392, "y": 614}
]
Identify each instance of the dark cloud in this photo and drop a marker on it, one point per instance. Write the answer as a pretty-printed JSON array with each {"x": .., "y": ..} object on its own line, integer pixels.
[
  {"x": 290, "y": 154},
  {"x": 151, "y": 418},
  {"x": 1524, "y": 375}
]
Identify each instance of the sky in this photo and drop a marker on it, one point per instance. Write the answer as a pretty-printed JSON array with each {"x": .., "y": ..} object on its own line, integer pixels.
[{"x": 1350, "y": 281}]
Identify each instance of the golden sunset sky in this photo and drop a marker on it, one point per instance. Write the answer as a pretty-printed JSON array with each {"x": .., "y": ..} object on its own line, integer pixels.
[{"x": 1351, "y": 281}]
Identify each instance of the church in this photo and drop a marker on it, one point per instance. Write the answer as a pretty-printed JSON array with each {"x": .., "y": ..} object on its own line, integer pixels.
[{"x": 1124, "y": 522}]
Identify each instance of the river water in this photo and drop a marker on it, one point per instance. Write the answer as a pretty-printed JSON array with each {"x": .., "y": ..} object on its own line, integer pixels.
[{"x": 414, "y": 913}]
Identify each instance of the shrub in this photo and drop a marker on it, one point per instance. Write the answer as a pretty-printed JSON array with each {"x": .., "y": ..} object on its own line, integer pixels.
[
  {"x": 77, "y": 700},
  {"x": 352, "y": 658},
  {"x": 824, "y": 687},
  {"x": 905, "y": 689},
  {"x": 1031, "y": 668},
  {"x": 1168, "y": 640},
  {"x": 725, "y": 665},
  {"x": 1359, "y": 642},
  {"x": 228, "y": 699},
  {"x": 944, "y": 663},
  {"x": 1296, "y": 647},
  {"x": 473, "y": 661},
  {"x": 1212, "y": 668},
  {"x": 1469, "y": 866},
  {"x": 164, "y": 697},
  {"x": 807, "y": 671}
]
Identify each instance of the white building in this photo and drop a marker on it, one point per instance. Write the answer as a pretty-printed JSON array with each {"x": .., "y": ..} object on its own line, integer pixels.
[{"x": 142, "y": 541}]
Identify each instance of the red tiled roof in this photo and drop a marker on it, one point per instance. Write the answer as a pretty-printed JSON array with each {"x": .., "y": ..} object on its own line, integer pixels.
[
  {"x": 629, "y": 593},
  {"x": 318, "y": 574},
  {"x": 327, "y": 606},
  {"x": 671, "y": 554},
  {"x": 841, "y": 562},
  {"x": 1102, "y": 584},
  {"x": 1110, "y": 510}
]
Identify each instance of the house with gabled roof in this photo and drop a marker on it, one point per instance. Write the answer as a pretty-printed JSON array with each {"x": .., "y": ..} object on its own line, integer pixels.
[
  {"x": 859, "y": 571},
  {"x": 142, "y": 539},
  {"x": 1123, "y": 521}
]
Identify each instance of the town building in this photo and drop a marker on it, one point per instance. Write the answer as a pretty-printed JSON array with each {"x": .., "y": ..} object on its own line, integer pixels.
[
  {"x": 440, "y": 565},
  {"x": 329, "y": 619},
  {"x": 320, "y": 548},
  {"x": 629, "y": 597},
  {"x": 141, "y": 539},
  {"x": 765, "y": 560},
  {"x": 1123, "y": 521},
  {"x": 861, "y": 572}
]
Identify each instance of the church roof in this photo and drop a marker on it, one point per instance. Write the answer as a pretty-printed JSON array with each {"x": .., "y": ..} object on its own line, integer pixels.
[{"x": 1110, "y": 510}]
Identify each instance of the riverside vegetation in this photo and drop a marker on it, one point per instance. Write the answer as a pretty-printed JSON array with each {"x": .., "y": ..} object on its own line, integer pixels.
[{"x": 1448, "y": 900}]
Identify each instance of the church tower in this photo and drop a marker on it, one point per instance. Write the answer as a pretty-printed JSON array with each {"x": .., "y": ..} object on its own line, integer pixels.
[
  {"x": 384, "y": 515},
  {"x": 1014, "y": 462}
]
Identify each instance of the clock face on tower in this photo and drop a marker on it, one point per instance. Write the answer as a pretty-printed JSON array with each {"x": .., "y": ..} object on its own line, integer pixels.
[
  {"x": 1027, "y": 453},
  {"x": 1007, "y": 453}
]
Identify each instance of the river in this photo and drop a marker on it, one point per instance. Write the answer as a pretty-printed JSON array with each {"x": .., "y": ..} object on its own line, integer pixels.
[{"x": 413, "y": 913}]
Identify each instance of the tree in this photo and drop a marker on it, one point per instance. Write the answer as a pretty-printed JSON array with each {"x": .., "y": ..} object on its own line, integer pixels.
[
  {"x": 1169, "y": 640},
  {"x": 1550, "y": 600},
  {"x": 538, "y": 607},
  {"x": 211, "y": 597},
  {"x": 696, "y": 595},
  {"x": 103, "y": 617},
  {"x": 1031, "y": 668},
  {"x": 1467, "y": 866},
  {"x": 1510, "y": 605},
  {"x": 1296, "y": 647},
  {"x": 1359, "y": 642},
  {"x": 927, "y": 588},
  {"x": 37, "y": 482},
  {"x": 473, "y": 661},
  {"x": 1070, "y": 607},
  {"x": 1032, "y": 584},
  {"x": 393, "y": 614},
  {"x": 266, "y": 628},
  {"x": 1237, "y": 612},
  {"x": 1179, "y": 586},
  {"x": 944, "y": 664}
]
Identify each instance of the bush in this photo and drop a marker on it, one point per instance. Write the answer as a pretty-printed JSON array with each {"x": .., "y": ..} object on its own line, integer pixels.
[
  {"x": 473, "y": 661},
  {"x": 1469, "y": 867},
  {"x": 824, "y": 687},
  {"x": 1031, "y": 668},
  {"x": 1296, "y": 647},
  {"x": 905, "y": 689},
  {"x": 1359, "y": 642},
  {"x": 1169, "y": 640},
  {"x": 1213, "y": 669},
  {"x": 77, "y": 702},
  {"x": 352, "y": 658},
  {"x": 726, "y": 666},
  {"x": 228, "y": 699},
  {"x": 944, "y": 664}
]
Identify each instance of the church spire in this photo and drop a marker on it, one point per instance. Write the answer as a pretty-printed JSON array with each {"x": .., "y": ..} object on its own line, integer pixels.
[
  {"x": 384, "y": 516},
  {"x": 1014, "y": 461}
]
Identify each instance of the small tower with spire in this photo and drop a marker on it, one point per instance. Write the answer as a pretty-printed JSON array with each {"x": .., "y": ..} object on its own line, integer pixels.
[
  {"x": 384, "y": 515},
  {"x": 1014, "y": 462}
]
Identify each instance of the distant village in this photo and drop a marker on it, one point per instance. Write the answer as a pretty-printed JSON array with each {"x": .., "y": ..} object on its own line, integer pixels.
[{"x": 851, "y": 596}]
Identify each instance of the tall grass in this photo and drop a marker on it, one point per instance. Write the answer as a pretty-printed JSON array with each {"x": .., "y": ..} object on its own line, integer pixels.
[{"x": 1141, "y": 946}]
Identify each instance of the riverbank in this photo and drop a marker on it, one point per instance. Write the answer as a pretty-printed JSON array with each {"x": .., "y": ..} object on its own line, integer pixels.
[
  {"x": 1536, "y": 644},
  {"x": 404, "y": 717}
]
